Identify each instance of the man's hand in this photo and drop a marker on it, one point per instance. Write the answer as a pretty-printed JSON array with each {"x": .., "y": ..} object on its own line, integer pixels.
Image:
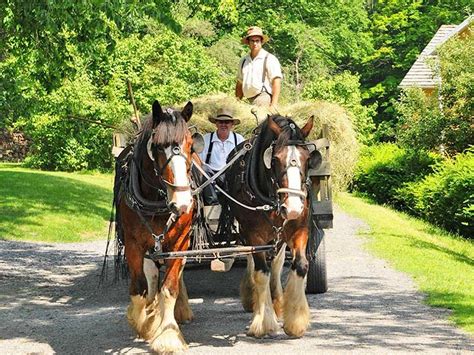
[{"x": 239, "y": 93}]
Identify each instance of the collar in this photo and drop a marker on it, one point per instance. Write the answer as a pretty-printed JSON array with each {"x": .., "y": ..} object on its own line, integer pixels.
[
  {"x": 215, "y": 138},
  {"x": 260, "y": 55}
]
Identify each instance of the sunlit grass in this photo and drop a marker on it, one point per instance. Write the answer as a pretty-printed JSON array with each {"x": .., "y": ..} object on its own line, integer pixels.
[
  {"x": 441, "y": 264},
  {"x": 53, "y": 206}
]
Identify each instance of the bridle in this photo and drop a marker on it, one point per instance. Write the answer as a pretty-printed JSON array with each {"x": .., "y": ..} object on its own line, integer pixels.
[
  {"x": 293, "y": 162},
  {"x": 176, "y": 151}
]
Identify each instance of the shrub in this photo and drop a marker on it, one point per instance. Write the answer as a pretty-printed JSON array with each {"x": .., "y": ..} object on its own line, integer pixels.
[
  {"x": 382, "y": 169},
  {"x": 446, "y": 197}
]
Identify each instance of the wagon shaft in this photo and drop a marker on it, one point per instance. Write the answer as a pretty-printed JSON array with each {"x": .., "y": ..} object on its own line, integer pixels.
[{"x": 211, "y": 253}]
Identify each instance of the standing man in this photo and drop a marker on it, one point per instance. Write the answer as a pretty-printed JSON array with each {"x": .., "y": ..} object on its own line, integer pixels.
[
  {"x": 259, "y": 75},
  {"x": 218, "y": 144}
]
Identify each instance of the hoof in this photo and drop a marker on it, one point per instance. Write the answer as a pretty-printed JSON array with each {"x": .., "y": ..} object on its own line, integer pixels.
[{"x": 259, "y": 329}]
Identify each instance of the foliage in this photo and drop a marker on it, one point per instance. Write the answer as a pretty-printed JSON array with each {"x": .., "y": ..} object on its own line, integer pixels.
[
  {"x": 446, "y": 198},
  {"x": 382, "y": 169},
  {"x": 401, "y": 29},
  {"x": 421, "y": 123},
  {"x": 424, "y": 123},
  {"x": 439, "y": 263},
  {"x": 457, "y": 91},
  {"x": 343, "y": 89}
]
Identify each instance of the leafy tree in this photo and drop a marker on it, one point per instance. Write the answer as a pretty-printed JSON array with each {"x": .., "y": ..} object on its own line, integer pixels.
[
  {"x": 444, "y": 120},
  {"x": 401, "y": 29}
]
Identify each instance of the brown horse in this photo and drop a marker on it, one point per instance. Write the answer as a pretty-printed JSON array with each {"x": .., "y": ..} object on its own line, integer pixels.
[
  {"x": 274, "y": 173},
  {"x": 154, "y": 212}
]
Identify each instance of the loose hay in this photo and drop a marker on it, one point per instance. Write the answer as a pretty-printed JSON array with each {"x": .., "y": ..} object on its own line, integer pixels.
[{"x": 344, "y": 146}]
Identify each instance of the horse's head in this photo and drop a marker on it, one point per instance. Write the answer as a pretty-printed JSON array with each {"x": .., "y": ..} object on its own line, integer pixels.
[
  {"x": 169, "y": 147},
  {"x": 288, "y": 159}
]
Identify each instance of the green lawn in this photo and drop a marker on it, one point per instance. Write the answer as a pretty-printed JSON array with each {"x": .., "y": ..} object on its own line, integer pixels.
[
  {"x": 441, "y": 264},
  {"x": 53, "y": 206}
]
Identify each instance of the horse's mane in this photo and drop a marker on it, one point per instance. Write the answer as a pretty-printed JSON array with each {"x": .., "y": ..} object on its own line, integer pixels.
[
  {"x": 172, "y": 129},
  {"x": 258, "y": 180}
]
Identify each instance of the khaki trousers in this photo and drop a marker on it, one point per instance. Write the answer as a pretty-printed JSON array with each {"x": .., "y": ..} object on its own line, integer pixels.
[{"x": 263, "y": 99}]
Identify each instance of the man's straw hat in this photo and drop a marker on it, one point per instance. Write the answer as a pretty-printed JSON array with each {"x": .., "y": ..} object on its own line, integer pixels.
[
  {"x": 224, "y": 115},
  {"x": 254, "y": 31}
]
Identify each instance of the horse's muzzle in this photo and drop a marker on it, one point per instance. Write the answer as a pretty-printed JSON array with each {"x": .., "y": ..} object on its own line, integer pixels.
[
  {"x": 291, "y": 213},
  {"x": 181, "y": 208}
]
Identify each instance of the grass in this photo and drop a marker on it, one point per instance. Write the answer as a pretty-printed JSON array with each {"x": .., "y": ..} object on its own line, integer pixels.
[
  {"x": 441, "y": 264},
  {"x": 48, "y": 206}
]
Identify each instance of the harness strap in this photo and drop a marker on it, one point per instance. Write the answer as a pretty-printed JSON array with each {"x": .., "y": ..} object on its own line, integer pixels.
[
  {"x": 209, "y": 151},
  {"x": 211, "y": 144},
  {"x": 264, "y": 72}
]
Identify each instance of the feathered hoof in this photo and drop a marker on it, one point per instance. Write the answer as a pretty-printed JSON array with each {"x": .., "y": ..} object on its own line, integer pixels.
[
  {"x": 259, "y": 329},
  {"x": 296, "y": 325},
  {"x": 169, "y": 341}
]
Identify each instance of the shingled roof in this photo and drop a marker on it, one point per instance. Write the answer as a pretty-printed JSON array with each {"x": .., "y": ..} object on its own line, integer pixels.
[{"x": 420, "y": 74}]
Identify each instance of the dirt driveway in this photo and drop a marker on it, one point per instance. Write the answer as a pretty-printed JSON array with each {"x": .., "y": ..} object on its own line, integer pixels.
[{"x": 51, "y": 303}]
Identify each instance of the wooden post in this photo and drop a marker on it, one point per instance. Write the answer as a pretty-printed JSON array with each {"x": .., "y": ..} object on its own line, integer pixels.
[{"x": 137, "y": 121}]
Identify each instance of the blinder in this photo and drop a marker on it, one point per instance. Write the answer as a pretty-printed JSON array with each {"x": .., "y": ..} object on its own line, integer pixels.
[{"x": 198, "y": 142}]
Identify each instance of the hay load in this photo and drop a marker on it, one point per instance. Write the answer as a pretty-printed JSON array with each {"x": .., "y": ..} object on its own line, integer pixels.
[{"x": 344, "y": 146}]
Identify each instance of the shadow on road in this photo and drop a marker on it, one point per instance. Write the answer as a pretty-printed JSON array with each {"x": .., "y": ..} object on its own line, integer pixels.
[{"x": 51, "y": 301}]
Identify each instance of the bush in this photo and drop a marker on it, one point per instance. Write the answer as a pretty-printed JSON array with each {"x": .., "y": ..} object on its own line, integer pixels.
[
  {"x": 383, "y": 169},
  {"x": 446, "y": 198}
]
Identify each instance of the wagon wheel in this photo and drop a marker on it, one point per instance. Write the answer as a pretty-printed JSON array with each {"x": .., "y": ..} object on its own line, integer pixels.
[{"x": 316, "y": 281}]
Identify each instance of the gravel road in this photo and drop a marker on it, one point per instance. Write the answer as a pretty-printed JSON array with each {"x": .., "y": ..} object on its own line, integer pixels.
[{"x": 51, "y": 302}]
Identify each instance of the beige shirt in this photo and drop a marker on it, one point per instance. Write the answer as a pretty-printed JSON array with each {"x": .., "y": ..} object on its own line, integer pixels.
[{"x": 250, "y": 73}]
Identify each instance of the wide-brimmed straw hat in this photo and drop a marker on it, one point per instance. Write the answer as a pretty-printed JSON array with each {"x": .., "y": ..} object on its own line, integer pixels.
[
  {"x": 224, "y": 114},
  {"x": 254, "y": 31}
]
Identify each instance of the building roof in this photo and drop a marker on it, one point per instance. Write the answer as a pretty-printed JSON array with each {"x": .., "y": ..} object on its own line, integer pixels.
[{"x": 420, "y": 74}]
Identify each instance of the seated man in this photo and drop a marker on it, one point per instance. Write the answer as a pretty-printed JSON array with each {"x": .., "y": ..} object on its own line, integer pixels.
[{"x": 218, "y": 144}]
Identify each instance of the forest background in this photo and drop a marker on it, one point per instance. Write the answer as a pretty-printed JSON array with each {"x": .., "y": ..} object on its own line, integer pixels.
[{"x": 65, "y": 63}]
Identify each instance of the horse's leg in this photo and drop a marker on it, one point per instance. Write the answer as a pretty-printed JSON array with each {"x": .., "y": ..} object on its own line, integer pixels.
[
  {"x": 182, "y": 311},
  {"x": 264, "y": 319},
  {"x": 168, "y": 337},
  {"x": 295, "y": 306},
  {"x": 247, "y": 285},
  {"x": 275, "y": 281},
  {"x": 136, "y": 312},
  {"x": 152, "y": 275}
]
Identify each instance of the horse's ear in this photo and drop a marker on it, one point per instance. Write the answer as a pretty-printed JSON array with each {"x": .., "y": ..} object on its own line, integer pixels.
[
  {"x": 273, "y": 126},
  {"x": 187, "y": 111},
  {"x": 307, "y": 127},
  {"x": 157, "y": 113}
]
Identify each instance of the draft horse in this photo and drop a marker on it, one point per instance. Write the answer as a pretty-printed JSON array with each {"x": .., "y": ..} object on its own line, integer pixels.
[
  {"x": 274, "y": 172},
  {"x": 154, "y": 205}
]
